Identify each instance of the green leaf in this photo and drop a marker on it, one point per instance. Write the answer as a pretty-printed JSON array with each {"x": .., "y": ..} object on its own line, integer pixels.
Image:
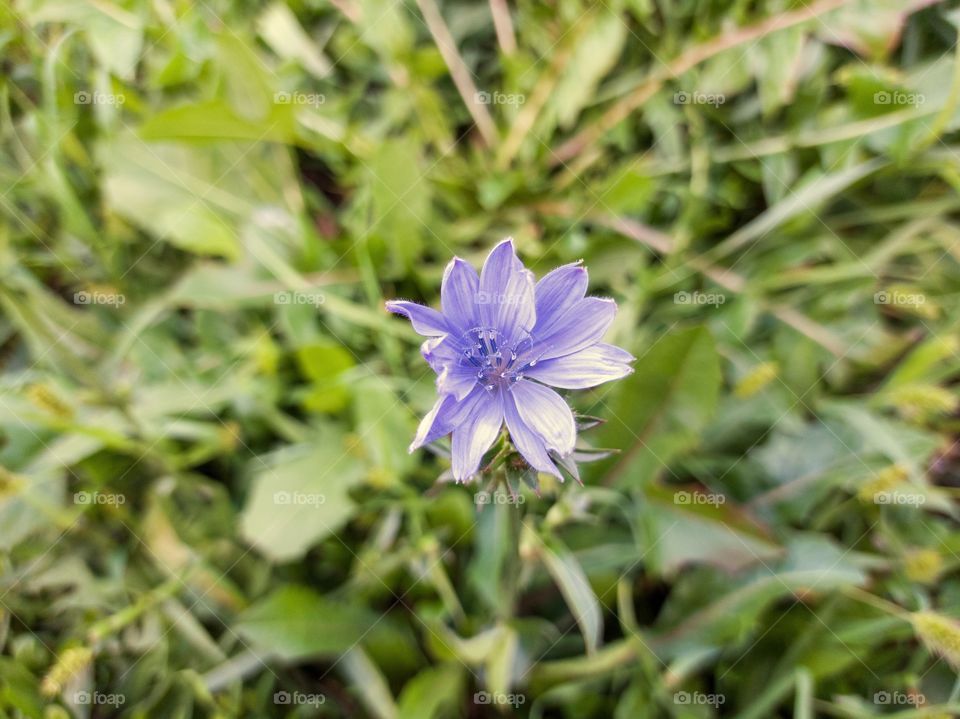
[
  {"x": 195, "y": 198},
  {"x": 300, "y": 496},
  {"x": 114, "y": 34},
  {"x": 592, "y": 59},
  {"x": 401, "y": 197},
  {"x": 502, "y": 660},
  {"x": 813, "y": 563},
  {"x": 325, "y": 363},
  {"x": 683, "y": 530},
  {"x": 295, "y": 622},
  {"x": 433, "y": 692},
  {"x": 363, "y": 672},
  {"x": 387, "y": 427},
  {"x": 816, "y": 189},
  {"x": 217, "y": 119},
  {"x": 281, "y": 30},
  {"x": 322, "y": 361},
  {"x": 575, "y": 588},
  {"x": 869, "y": 27},
  {"x": 777, "y": 64},
  {"x": 661, "y": 409}
]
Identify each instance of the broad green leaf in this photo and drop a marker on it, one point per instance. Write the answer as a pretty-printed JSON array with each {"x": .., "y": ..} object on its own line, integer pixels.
[
  {"x": 217, "y": 119},
  {"x": 324, "y": 364},
  {"x": 594, "y": 56},
  {"x": 401, "y": 197},
  {"x": 294, "y": 622},
  {"x": 299, "y": 496},
  {"x": 114, "y": 34},
  {"x": 362, "y": 672},
  {"x": 574, "y": 586},
  {"x": 869, "y": 27},
  {"x": 432, "y": 693},
  {"x": 493, "y": 547},
  {"x": 248, "y": 87},
  {"x": 323, "y": 361},
  {"x": 387, "y": 427},
  {"x": 812, "y": 564},
  {"x": 282, "y": 31},
  {"x": 661, "y": 409},
  {"x": 502, "y": 660},
  {"x": 194, "y": 198},
  {"x": 776, "y": 62},
  {"x": 816, "y": 189},
  {"x": 681, "y": 529}
]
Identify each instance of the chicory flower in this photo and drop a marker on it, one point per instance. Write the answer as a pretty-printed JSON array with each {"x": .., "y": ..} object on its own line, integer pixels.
[{"x": 498, "y": 345}]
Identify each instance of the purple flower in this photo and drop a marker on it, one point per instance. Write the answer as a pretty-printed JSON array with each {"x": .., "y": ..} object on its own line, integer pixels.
[{"x": 499, "y": 340}]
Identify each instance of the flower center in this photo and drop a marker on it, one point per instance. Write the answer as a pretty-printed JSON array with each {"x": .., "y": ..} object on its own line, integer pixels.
[{"x": 498, "y": 360}]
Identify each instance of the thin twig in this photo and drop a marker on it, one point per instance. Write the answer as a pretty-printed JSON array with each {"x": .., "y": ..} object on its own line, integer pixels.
[
  {"x": 575, "y": 146},
  {"x": 521, "y": 127},
  {"x": 727, "y": 279},
  {"x": 503, "y": 25},
  {"x": 349, "y": 9},
  {"x": 458, "y": 71}
]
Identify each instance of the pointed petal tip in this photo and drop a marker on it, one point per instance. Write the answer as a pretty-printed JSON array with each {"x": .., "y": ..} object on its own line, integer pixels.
[
  {"x": 455, "y": 261},
  {"x": 505, "y": 241}
]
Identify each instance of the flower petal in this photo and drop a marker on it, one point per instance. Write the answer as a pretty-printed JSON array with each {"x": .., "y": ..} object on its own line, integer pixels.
[
  {"x": 443, "y": 354},
  {"x": 436, "y": 423},
  {"x": 587, "y": 368},
  {"x": 581, "y": 326},
  {"x": 556, "y": 293},
  {"x": 458, "y": 295},
  {"x": 506, "y": 295},
  {"x": 456, "y": 380},
  {"x": 545, "y": 412},
  {"x": 476, "y": 427},
  {"x": 425, "y": 320},
  {"x": 439, "y": 352},
  {"x": 527, "y": 441}
]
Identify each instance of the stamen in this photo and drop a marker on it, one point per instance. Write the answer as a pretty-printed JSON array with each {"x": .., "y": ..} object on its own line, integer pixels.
[{"x": 498, "y": 360}]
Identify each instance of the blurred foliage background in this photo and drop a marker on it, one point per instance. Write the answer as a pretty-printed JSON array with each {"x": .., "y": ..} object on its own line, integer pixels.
[{"x": 206, "y": 503}]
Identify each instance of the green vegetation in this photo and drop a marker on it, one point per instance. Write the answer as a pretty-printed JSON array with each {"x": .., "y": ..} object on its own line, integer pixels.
[{"x": 207, "y": 507}]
